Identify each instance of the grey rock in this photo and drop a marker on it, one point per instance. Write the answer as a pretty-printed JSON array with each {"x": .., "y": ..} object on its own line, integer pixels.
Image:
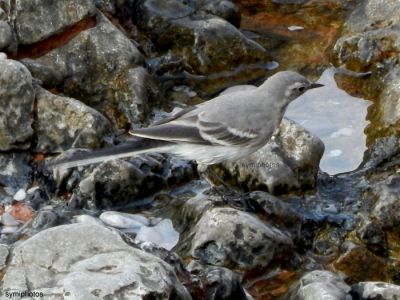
[
  {"x": 33, "y": 22},
  {"x": 3, "y": 256},
  {"x": 106, "y": 5},
  {"x": 389, "y": 104},
  {"x": 218, "y": 283},
  {"x": 44, "y": 219},
  {"x": 325, "y": 285},
  {"x": 288, "y": 162},
  {"x": 121, "y": 182},
  {"x": 44, "y": 73},
  {"x": 89, "y": 262},
  {"x": 15, "y": 173},
  {"x": 226, "y": 236},
  {"x": 64, "y": 123},
  {"x": 99, "y": 67},
  {"x": 376, "y": 290},
  {"x": 224, "y": 9},
  {"x": 387, "y": 207},
  {"x": 16, "y": 105},
  {"x": 5, "y": 34},
  {"x": 202, "y": 41}
]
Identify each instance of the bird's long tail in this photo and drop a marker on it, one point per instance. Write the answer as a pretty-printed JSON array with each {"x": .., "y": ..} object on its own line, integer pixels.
[{"x": 128, "y": 149}]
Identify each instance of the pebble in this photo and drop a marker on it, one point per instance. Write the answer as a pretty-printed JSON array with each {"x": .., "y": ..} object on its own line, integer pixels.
[
  {"x": 123, "y": 220},
  {"x": 295, "y": 28},
  {"x": 20, "y": 195},
  {"x": 8, "y": 220},
  {"x": 8, "y": 229}
]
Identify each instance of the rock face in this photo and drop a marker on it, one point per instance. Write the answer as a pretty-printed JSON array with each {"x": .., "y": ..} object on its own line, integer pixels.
[
  {"x": 226, "y": 236},
  {"x": 322, "y": 285},
  {"x": 289, "y": 162},
  {"x": 74, "y": 125},
  {"x": 89, "y": 262},
  {"x": 16, "y": 105},
  {"x": 33, "y": 22},
  {"x": 201, "y": 41}
]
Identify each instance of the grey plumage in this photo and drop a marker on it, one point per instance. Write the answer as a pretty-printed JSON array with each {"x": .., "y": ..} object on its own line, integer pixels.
[{"x": 228, "y": 127}]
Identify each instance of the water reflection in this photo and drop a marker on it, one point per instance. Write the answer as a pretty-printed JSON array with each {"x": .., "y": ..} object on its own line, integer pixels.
[{"x": 338, "y": 119}]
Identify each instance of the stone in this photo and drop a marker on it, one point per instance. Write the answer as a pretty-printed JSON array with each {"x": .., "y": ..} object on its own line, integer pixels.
[
  {"x": 288, "y": 162},
  {"x": 84, "y": 261},
  {"x": 229, "y": 237},
  {"x": 386, "y": 210},
  {"x": 101, "y": 67},
  {"x": 64, "y": 123},
  {"x": 389, "y": 103},
  {"x": 3, "y": 256},
  {"x": 6, "y": 35},
  {"x": 224, "y": 9},
  {"x": 218, "y": 283},
  {"x": 201, "y": 41},
  {"x": 15, "y": 173},
  {"x": 376, "y": 290},
  {"x": 16, "y": 105},
  {"x": 121, "y": 182},
  {"x": 320, "y": 284},
  {"x": 34, "y": 23}
]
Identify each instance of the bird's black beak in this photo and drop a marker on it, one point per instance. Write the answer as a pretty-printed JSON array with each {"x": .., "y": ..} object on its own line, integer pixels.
[{"x": 315, "y": 85}]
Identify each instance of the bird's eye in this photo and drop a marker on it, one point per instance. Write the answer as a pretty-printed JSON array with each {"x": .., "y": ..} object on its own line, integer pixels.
[{"x": 301, "y": 89}]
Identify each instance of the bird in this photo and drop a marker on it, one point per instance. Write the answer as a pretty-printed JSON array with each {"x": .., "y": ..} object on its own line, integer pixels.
[{"x": 226, "y": 128}]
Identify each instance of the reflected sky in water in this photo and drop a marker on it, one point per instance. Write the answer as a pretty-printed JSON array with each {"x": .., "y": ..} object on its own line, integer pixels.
[{"x": 338, "y": 119}]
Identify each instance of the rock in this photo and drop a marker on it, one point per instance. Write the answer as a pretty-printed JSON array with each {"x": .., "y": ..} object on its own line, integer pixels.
[
  {"x": 229, "y": 237},
  {"x": 387, "y": 208},
  {"x": 87, "y": 219},
  {"x": 376, "y": 291},
  {"x": 389, "y": 104},
  {"x": 218, "y": 283},
  {"x": 45, "y": 73},
  {"x": 121, "y": 182},
  {"x": 289, "y": 162},
  {"x": 15, "y": 173},
  {"x": 325, "y": 285},
  {"x": 97, "y": 264},
  {"x": 101, "y": 67},
  {"x": 162, "y": 234},
  {"x": 3, "y": 256},
  {"x": 373, "y": 237},
  {"x": 34, "y": 23},
  {"x": 19, "y": 195},
  {"x": 124, "y": 220},
  {"x": 64, "y": 123},
  {"x": 201, "y": 41},
  {"x": 45, "y": 218},
  {"x": 16, "y": 105},
  {"x": 224, "y": 9},
  {"x": 6, "y": 35},
  {"x": 359, "y": 264}
]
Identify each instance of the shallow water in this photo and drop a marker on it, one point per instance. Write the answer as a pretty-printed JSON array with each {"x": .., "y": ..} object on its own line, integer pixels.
[{"x": 338, "y": 119}]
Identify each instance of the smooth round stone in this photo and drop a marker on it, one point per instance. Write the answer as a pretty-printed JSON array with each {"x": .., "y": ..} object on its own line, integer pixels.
[
  {"x": 86, "y": 219},
  {"x": 123, "y": 220},
  {"x": 8, "y": 229},
  {"x": 20, "y": 195},
  {"x": 163, "y": 234},
  {"x": 7, "y": 220}
]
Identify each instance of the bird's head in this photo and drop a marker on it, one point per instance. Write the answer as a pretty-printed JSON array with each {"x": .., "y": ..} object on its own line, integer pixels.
[{"x": 286, "y": 86}]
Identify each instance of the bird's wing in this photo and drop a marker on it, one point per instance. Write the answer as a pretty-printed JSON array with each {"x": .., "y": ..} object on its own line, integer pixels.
[{"x": 195, "y": 128}]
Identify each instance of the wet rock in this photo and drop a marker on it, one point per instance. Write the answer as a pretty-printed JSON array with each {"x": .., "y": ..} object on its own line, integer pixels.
[
  {"x": 288, "y": 162},
  {"x": 226, "y": 236},
  {"x": 321, "y": 285},
  {"x": 5, "y": 34},
  {"x": 33, "y": 22},
  {"x": 375, "y": 291},
  {"x": 3, "y": 256},
  {"x": 45, "y": 218},
  {"x": 15, "y": 173},
  {"x": 387, "y": 208},
  {"x": 16, "y": 105},
  {"x": 100, "y": 67},
  {"x": 373, "y": 237},
  {"x": 64, "y": 123},
  {"x": 44, "y": 73},
  {"x": 389, "y": 98},
  {"x": 218, "y": 283},
  {"x": 359, "y": 264},
  {"x": 99, "y": 265},
  {"x": 121, "y": 182},
  {"x": 124, "y": 220},
  {"x": 201, "y": 41},
  {"x": 224, "y": 9}
]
